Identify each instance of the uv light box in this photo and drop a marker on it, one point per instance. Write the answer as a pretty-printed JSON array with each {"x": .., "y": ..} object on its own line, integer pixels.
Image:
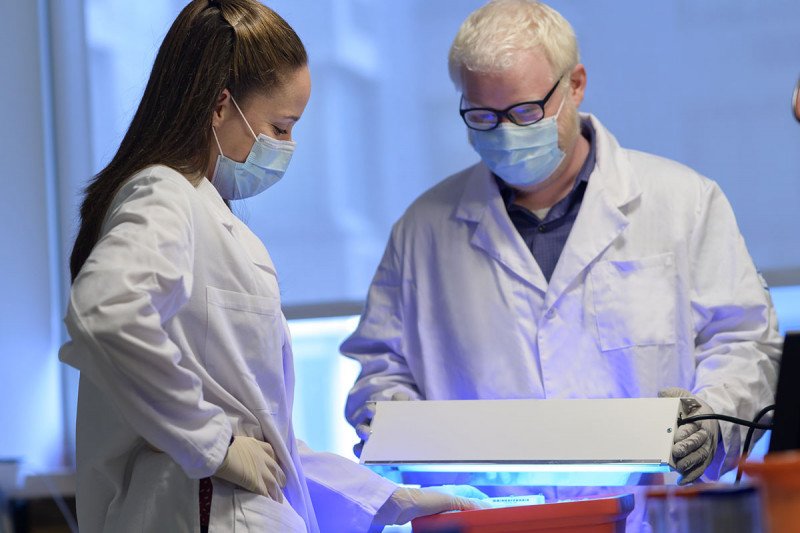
[{"x": 518, "y": 436}]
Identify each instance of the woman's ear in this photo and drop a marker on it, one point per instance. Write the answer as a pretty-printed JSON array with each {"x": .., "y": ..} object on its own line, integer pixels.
[{"x": 222, "y": 108}]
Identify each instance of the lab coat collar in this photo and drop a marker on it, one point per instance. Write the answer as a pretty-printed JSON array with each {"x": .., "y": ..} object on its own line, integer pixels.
[
  {"x": 212, "y": 197},
  {"x": 495, "y": 234},
  {"x": 620, "y": 184},
  {"x": 612, "y": 190},
  {"x": 253, "y": 246},
  {"x": 612, "y": 187}
]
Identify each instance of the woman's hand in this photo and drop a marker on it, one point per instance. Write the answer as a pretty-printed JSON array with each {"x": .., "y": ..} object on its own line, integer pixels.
[
  {"x": 406, "y": 503},
  {"x": 251, "y": 464}
]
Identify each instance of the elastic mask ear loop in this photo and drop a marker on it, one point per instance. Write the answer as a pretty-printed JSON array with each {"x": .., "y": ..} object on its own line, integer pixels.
[
  {"x": 564, "y": 99},
  {"x": 245, "y": 120},
  {"x": 219, "y": 146}
]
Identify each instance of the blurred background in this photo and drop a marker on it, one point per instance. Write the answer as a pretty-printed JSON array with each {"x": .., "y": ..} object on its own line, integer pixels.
[{"x": 705, "y": 83}]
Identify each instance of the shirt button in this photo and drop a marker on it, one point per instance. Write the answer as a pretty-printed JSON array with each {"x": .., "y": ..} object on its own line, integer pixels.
[
  {"x": 541, "y": 228},
  {"x": 550, "y": 314}
]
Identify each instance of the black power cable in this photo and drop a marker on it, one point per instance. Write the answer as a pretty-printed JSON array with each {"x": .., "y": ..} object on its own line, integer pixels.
[
  {"x": 751, "y": 425},
  {"x": 726, "y": 418},
  {"x": 750, "y": 431}
]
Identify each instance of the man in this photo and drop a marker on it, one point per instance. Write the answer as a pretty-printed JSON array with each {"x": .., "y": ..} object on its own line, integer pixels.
[{"x": 562, "y": 265}]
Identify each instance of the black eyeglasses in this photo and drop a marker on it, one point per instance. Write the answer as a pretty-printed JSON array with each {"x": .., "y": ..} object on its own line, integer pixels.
[{"x": 521, "y": 114}]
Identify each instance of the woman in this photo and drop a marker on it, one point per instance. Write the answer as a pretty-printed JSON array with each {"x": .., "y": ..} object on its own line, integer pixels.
[{"x": 184, "y": 410}]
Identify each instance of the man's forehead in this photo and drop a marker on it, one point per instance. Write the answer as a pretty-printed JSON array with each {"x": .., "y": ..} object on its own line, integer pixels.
[{"x": 503, "y": 88}]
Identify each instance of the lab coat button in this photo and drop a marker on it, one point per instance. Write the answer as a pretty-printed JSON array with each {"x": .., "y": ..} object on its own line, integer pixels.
[{"x": 550, "y": 314}]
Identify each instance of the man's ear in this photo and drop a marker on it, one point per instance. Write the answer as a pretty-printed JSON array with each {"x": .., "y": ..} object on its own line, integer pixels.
[
  {"x": 222, "y": 108},
  {"x": 577, "y": 84}
]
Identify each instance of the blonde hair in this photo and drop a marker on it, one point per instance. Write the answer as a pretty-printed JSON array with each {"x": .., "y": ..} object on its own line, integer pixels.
[{"x": 491, "y": 38}]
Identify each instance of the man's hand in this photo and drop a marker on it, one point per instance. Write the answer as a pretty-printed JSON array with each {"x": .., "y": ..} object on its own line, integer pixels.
[
  {"x": 363, "y": 429},
  {"x": 695, "y": 443}
]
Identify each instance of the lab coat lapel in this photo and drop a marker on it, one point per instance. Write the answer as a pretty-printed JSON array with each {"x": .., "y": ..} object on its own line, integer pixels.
[
  {"x": 495, "y": 234},
  {"x": 253, "y": 247},
  {"x": 218, "y": 207},
  {"x": 602, "y": 217}
]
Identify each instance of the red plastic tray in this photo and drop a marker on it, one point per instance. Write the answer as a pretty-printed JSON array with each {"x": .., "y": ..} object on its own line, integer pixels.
[{"x": 597, "y": 515}]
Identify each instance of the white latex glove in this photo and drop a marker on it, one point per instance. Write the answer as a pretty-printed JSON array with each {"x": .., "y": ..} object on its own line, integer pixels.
[
  {"x": 695, "y": 443},
  {"x": 363, "y": 429},
  {"x": 406, "y": 503},
  {"x": 251, "y": 464}
]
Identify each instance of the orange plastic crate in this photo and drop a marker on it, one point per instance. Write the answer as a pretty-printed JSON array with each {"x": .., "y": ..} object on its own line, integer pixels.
[{"x": 597, "y": 515}]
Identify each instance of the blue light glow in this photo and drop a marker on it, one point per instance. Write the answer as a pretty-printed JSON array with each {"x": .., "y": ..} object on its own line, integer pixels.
[
  {"x": 524, "y": 468},
  {"x": 531, "y": 475}
]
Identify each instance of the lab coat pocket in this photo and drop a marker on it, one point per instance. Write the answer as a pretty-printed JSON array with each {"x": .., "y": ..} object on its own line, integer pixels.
[
  {"x": 243, "y": 347},
  {"x": 258, "y": 513},
  {"x": 634, "y": 301}
]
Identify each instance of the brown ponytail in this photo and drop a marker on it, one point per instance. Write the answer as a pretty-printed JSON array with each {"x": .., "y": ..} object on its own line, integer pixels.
[{"x": 240, "y": 45}]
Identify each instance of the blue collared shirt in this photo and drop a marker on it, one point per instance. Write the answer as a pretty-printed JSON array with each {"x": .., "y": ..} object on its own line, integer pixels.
[{"x": 546, "y": 238}]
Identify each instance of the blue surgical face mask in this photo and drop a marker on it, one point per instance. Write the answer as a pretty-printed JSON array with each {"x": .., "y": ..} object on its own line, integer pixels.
[
  {"x": 521, "y": 155},
  {"x": 265, "y": 165}
]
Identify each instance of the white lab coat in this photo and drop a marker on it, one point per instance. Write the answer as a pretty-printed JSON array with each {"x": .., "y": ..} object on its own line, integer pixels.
[
  {"x": 177, "y": 330},
  {"x": 654, "y": 289}
]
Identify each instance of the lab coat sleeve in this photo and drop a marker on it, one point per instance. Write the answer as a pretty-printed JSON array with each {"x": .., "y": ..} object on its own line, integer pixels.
[
  {"x": 737, "y": 346},
  {"x": 345, "y": 495},
  {"x": 137, "y": 277},
  {"x": 377, "y": 343}
]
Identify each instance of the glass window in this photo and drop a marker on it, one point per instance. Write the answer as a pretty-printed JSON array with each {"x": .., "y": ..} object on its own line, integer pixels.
[
  {"x": 359, "y": 162},
  {"x": 323, "y": 380}
]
